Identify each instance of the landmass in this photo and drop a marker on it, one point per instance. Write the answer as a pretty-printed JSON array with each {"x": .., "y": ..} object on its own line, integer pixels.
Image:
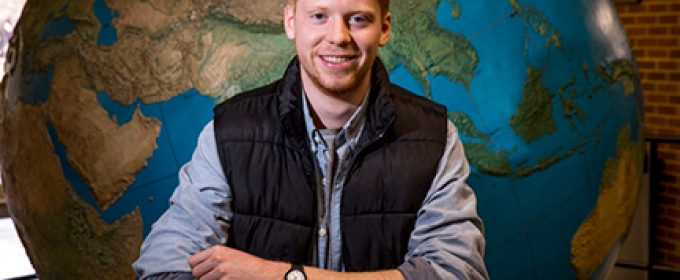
[
  {"x": 137, "y": 67},
  {"x": 455, "y": 9},
  {"x": 95, "y": 143},
  {"x": 465, "y": 125},
  {"x": 262, "y": 18},
  {"x": 546, "y": 162},
  {"x": 63, "y": 236},
  {"x": 487, "y": 161},
  {"x": 425, "y": 48},
  {"x": 168, "y": 60},
  {"x": 161, "y": 14},
  {"x": 533, "y": 118},
  {"x": 264, "y": 60},
  {"x": 163, "y": 49},
  {"x": 540, "y": 22},
  {"x": 619, "y": 70},
  {"x": 41, "y": 12},
  {"x": 598, "y": 134},
  {"x": 594, "y": 90},
  {"x": 569, "y": 108},
  {"x": 610, "y": 219}
]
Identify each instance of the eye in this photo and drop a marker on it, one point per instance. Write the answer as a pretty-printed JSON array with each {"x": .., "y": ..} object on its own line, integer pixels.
[
  {"x": 359, "y": 20},
  {"x": 318, "y": 16}
]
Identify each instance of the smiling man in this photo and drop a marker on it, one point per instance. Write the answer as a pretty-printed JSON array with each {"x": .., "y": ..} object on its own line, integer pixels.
[{"x": 330, "y": 172}]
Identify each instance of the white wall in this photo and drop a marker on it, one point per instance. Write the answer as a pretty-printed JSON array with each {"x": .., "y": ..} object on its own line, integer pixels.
[{"x": 10, "y": 10}]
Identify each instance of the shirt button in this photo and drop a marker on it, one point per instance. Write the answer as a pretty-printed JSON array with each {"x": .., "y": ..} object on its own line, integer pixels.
[
  {"x": 313, "y": 149},
  {"x": 317, "y": 139},
  {"x": 323, "y": 181},
  {"x": 322, "y": 232}
]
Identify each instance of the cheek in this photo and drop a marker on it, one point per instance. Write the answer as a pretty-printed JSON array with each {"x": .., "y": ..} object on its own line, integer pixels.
[
  {"x": 306, "y": 41},
  {"x": 370, "y": 41}
]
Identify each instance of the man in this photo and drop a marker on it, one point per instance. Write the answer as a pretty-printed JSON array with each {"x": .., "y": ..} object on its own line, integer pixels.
[{"x": 330, "y": 172}]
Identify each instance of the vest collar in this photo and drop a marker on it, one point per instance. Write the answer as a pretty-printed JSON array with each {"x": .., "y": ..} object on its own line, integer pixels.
[{"x": 379, "y": 116}]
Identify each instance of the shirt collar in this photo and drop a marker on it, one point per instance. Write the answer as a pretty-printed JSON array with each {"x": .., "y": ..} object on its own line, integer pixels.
[{"x": 350, "y": 131}]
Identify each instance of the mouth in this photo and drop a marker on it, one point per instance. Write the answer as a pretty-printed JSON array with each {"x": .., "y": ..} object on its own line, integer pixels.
[{"x": 337, "y": 58}]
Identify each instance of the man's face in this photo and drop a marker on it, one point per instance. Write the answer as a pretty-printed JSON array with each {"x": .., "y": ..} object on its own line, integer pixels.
[{"x": 337, "y": 41}]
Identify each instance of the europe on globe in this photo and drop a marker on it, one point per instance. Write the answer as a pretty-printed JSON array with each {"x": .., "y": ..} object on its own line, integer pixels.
[{"x": 104, "y": 100}]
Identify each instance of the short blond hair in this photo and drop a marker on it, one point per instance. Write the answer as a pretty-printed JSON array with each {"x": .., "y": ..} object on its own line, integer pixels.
[{"x": 384, "y": 5}]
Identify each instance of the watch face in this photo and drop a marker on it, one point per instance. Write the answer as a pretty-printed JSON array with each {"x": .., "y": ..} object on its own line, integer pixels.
[{"x": 295, "y": 275}]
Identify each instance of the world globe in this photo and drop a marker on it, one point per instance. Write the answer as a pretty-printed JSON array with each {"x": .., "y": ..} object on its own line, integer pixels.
[{"x": 104, "y": 100}]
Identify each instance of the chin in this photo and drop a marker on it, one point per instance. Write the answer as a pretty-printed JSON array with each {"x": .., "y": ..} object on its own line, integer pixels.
[
  {"x": 335, "y": 86},
  {"x": 339, "y": 88}
]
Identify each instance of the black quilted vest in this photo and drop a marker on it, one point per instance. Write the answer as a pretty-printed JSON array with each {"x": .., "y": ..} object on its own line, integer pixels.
[{"x": 266, "y": 158}]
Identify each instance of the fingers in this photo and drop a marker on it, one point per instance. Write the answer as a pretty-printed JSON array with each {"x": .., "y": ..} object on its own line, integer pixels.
[
  {"x": 219, "y": 262},
  {"x": 198, "y": 258},
  {"x": 204, "y": 262},
  {"x": 201, "y": 271}
]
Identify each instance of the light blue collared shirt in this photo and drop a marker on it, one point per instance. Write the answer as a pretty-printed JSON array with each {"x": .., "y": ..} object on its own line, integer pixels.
[{"x": 333, "y": 160}]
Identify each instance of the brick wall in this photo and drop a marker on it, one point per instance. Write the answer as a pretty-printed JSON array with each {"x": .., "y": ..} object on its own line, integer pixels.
[{"x": 653, "y": 27}]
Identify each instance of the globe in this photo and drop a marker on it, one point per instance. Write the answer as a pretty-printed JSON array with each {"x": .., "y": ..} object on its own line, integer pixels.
[{"x": 104, "y": 100}]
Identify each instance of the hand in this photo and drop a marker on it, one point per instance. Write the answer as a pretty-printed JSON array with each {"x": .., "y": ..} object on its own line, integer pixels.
[{"x": 221, "y": 262}]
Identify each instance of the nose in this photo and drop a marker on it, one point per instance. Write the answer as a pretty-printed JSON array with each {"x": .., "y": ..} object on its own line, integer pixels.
[{"x": 338, "y": 32}]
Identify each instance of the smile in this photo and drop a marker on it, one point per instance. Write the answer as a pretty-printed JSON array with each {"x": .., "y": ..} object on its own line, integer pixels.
[{"x": 336, "y": 59}]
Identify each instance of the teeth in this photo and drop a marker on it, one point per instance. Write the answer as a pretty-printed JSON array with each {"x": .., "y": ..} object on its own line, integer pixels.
[{"x": 336, "y": 59}]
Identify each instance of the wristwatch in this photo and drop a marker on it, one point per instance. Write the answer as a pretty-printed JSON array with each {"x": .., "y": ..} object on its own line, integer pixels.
[{"x": 296, "y": 272}]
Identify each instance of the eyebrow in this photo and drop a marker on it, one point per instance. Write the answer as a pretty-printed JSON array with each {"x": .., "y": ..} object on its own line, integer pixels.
[{"x": 352, "y": 10}]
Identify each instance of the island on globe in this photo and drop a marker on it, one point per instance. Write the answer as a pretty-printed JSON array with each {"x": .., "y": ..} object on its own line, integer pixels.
[{"x": 104, "y": 99}]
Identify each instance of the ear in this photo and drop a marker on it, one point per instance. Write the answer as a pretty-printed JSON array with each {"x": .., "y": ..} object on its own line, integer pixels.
[
  {"x": 386, "y": 29},
  {"x": 289, "y": 21}
]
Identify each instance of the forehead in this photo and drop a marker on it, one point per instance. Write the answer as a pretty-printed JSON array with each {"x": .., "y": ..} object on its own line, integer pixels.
[{"x": 344, "y": 4}]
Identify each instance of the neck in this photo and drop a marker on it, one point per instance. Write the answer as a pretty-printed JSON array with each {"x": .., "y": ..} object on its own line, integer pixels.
[{"x": 330, "y": 111}]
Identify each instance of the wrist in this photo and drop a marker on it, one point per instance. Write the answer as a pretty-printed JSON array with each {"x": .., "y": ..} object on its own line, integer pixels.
[
  {"x": 296, "y": 272},
  {"x": 275, "y": 270}
]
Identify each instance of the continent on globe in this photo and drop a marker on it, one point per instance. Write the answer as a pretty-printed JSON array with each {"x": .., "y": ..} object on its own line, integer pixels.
[
  {"x": 62, "y": 235},
  {"x": 615, "y": 207},
  {"x": 426, "y": 48},
  {"x": 92, "y": 140},
  {"x": 620, "y": 70},
  {"x": 534, "y": 113}
]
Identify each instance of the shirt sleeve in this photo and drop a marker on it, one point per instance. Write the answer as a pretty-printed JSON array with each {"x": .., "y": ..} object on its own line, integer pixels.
[
  {"x": 448, "y": 233},
  {"x": 198, "y": 217},
  {"x": 171, "y": 276}
]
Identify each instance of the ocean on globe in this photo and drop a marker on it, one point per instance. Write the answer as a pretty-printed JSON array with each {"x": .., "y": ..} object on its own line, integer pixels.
[{"x": 104, "y": 100}]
